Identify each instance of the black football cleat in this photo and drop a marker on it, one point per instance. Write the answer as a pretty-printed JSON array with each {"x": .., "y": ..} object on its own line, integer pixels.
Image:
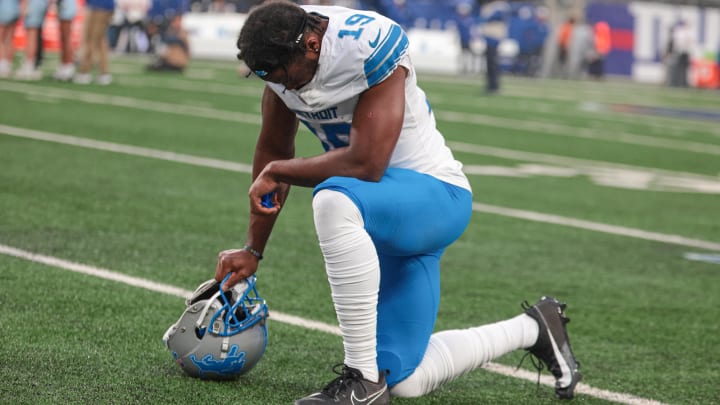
[
  {"x": 350, "y": 388},
  {"x": 553, "y": 345}
]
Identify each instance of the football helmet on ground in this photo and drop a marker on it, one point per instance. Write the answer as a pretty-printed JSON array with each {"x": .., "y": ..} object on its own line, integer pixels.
[{"x": 220, "y": 335}]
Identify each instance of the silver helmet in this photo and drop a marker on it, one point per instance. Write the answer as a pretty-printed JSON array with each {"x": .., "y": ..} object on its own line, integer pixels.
[{"x": 220, "y": 335}]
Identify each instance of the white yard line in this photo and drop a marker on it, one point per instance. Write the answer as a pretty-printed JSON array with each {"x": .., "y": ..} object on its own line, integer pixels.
[
  {"x": 459, "y": 117},
  {"x": 596, "y": 227},
  {"x": 192, "y": 86},
  {"x": 245, "y": 168},
  {"x": 129, "y": 102},
  {"x": 584, "y": 133},
  {"x": 524, "y": 156},
  {"x": 294, "y": 320},
  {"x": 126, "y": 149}
]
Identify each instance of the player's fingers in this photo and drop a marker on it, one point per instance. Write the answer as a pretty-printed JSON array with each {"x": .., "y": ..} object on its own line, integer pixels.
[
  {"x": 234, "y": 278},
  {"x": 276, "y": 200},
  {"x": 219, "y": 273},
  {"x": 222, "y": 267},
  {"x": 256, "y": 207}
]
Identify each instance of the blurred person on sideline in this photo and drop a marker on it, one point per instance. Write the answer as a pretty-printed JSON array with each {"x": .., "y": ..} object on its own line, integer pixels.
[
  {"x": 66, "y": 11},
  {"x": 173, "y": 53},
  {"x": 494, "y": 30},
  {"x": 532, "y": 39},
  {"x": 158, "y": 19},
  {"x": 682, "y": 46},
  {"x": 466, "y": 25},
  {"x": 34, "y": 14},
  {"x": 9, "y": 15},
  {"x": 596, "y": 57},
  {"x": 389, "y": 198},
  {"x": 582, "y": 44},
  {"x": 95, "y": 48},
  {"x": 131, "y": 32},
  {"x": 669, "y": 58},
  {"x": 40, "y": 54},
  {"x": 564, "y": 38}
]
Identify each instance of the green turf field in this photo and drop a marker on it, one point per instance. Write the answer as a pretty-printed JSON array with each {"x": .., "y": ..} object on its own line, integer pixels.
[{"x": 599, "y": 193}]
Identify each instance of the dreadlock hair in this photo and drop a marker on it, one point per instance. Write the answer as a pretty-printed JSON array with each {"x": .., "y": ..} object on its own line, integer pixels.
[{"x": 272, "y": 35}]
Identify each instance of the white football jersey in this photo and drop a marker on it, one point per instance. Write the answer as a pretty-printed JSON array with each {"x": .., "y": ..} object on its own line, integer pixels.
[{"x": 359, "y": 50}]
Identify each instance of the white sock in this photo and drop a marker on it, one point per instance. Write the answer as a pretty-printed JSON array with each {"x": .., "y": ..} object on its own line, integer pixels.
[
  {"x": 353, "y": 272},
  {"x": 453, "y": 353}
]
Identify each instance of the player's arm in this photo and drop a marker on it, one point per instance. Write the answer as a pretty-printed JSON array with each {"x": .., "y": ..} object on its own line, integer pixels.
[
  {"x": 376, "y": 126},
  {"x": 275, "y": 142}
]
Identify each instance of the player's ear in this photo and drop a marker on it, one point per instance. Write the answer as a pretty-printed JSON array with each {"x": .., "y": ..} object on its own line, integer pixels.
[{"x": 312, "y": 44}]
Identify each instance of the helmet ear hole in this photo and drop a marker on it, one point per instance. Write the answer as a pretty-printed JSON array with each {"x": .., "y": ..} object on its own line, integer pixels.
[
  {"x": 200, "y": 332},
  {"x": 204, "y": 292},
  {"x": 240, "y": 314}
]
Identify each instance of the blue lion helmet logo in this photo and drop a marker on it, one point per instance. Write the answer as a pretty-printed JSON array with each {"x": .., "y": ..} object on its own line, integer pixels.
[{"x": 232, "y": 364}]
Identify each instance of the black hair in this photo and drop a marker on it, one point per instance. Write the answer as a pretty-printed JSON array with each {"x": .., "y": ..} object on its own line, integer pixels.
[{"x": 272, "y": 35}]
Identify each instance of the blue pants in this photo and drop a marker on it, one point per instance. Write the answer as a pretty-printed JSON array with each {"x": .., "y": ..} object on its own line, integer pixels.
[{"x": 411, "y": 218}]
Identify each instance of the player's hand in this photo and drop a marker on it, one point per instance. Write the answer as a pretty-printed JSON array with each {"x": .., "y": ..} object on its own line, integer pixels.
[
  {"x": 240, "y": 262},
  {"x": 264, "y": 195}
]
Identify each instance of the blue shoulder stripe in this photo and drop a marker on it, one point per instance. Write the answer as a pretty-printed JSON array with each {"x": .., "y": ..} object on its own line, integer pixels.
[{"x": 386, "y": 56}]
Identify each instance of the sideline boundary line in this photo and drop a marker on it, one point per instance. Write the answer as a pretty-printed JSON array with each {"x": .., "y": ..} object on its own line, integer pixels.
[
  {"x": 244, "y": 168},
  {"x": 295, "y": 320}
]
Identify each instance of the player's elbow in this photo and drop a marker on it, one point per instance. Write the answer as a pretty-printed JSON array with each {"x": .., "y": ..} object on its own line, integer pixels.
[
  {"x": 371, "y": 171},
  {"x": 374, "y": 177},
  {"x": 365, "y": 163}
]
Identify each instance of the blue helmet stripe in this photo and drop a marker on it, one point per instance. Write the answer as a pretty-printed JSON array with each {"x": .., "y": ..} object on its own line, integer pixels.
[{"x": 386, "y": 56}]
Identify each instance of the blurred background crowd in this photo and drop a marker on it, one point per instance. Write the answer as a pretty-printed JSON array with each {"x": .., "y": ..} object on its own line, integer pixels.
[{"x": 671, "y": 42}]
